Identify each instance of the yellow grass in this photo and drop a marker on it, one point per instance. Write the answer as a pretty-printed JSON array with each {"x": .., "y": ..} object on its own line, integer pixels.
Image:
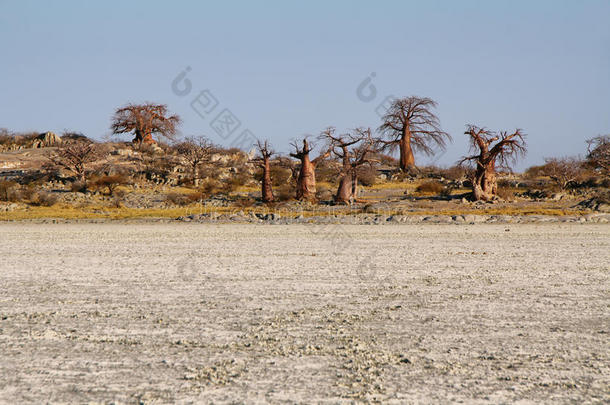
[{"x": 62, "y": 211}]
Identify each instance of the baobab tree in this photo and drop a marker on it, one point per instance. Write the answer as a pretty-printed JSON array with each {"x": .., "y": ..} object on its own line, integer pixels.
[
  {"x": 195, "y": 151},
  {"x": 144, "y": 120},
  {"x": 264, "y": 162},
  {"x": 506, "y": 149},
  {"x": 354, "y": 150},
  {"x": 598, "y": 154},
  {"x": 410, "y": 125},
  {"x": 306, "y": 179}
]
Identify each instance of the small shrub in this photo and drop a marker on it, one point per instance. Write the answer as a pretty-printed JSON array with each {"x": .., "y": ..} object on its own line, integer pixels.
[
  {"x": 209, "y": 187},
  {"x": 280, "y": 175},
  {"x": 284, "y": 193},
  {"x": 177, "y": 199},
  {"x": 505, "y": 193},
  {"x": 324, "y": 193},
  {"x": 430, "y": 187},
  {"x": 110, "y": 183},
  {"x": 44, "y": 199},
  {"x": 78, "y": 187},
  {"x": 245, "y": 202},
  {"x": 196, "y": 197},
  {"x": 367, "y": 176},
  {"x": 505, "y": 183},
  {"x": 446, "y": 192},
  {"x": 454, "y": 173},
  {"x": 326, "y": 172},
  {"x": 9, "y": 191},
  {"x": 28, "y": 192},
  {"x": 534, "y": 172}
]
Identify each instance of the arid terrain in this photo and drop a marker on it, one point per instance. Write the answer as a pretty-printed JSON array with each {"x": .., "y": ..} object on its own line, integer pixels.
[{"x": 160, "y": 313}]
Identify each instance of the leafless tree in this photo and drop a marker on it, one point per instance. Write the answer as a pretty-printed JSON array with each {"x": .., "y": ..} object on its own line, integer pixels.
[
  {"x": 410, "y": 125},
  {"x": 75, "y": 157},
  {"x": 562, "y": 171},
  {"x": 598, "y": 155},
  {"x": 144, "y": 120},
  {"x": 195, "y": 151},
  {"x": 264, "y": 162},
  {"x": 488, "y": 157},
  {"x": 306, "y": 179},
  {"x": 354, "y": 150}
]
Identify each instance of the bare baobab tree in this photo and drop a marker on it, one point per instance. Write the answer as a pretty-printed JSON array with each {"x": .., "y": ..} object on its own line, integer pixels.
[
  {"x": 264, "y": 162},
  {"x": 410, "y": 125},
  {"x": 306, "y": 179},
  {"x": 354, "y": 150},
  {"x": 506, "y": 149},
  {"x": 144, "y": 120},
  {"x": 195, "y": 151},
  {"x": 598, "y": 153},
  {"x": 75, "y": 157}
]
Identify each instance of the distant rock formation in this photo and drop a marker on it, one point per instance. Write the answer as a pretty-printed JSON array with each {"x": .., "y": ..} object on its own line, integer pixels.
[{"x": 46, "y": 139}]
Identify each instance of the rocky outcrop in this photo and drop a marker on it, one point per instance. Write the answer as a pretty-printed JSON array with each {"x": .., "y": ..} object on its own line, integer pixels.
[{"x": 45, "y": 140}]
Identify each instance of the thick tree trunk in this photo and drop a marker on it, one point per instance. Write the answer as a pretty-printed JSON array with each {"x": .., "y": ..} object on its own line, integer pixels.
[
  {"x": 407, "y": 160},
  {"x": 306, "y": 182},
  {"x": 267, "y": 191},
  {"x": 346, "y": 193},
  {"x": 484, "y": 183},
  {"x": 140, "y": 139}
]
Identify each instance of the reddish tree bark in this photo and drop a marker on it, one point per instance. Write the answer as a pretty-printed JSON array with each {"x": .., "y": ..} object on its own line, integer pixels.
[
  {"x": 506, "y": 148},
  {"x": 410, "y": 125},
  {"x": 353, "y": 150},
  {"x": 144, "y": 120},
  {"x": 306, "y": 180}
]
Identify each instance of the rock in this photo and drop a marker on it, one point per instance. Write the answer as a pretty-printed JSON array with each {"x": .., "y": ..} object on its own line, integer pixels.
[
  {"x": 603, "y": 208},
  {"x": 270, "y": 217},
  {"x": 46, "y": 139},
  {"x": 438, "y": 219},
  {"x": 458, "y": 218}
]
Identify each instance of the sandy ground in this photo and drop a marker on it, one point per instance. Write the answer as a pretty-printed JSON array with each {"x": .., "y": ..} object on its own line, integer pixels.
[{"x": 257, "y": 313}]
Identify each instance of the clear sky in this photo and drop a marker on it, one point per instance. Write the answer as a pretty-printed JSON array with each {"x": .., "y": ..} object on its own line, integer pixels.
[{"x": 286, "y": 68}]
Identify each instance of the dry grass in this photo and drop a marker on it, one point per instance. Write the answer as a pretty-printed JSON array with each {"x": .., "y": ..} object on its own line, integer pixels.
[{"x": 63, "y": 211}]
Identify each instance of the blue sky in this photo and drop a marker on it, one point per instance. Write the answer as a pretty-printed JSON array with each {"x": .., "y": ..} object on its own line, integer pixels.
[{"x": 286, "y": 68}]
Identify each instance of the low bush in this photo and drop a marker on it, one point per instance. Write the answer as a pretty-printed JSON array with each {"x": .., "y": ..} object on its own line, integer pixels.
[
  {"x": 110, "y": 183},
  {"x": 177, "y": 199},
  {"x": 430, "y": 187},
  {"x": 280, "y": 175},
  {"x": 446, "y": 191},
  {"x": 44, "y": 199},
  {"x": 78, "y": 187},
  {"x": 454, "y": 173},
  {"x": 284, "y": 193},
  {"x": 10, "y": 191},
  {"x": 505, "y": 193},
  {"x": 367, "y": 176}
]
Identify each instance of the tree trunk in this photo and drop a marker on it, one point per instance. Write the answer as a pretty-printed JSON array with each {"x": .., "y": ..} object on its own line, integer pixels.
[
  {"x": 195, "y": 175},
  {"x": 306, "y": 182},
  {"x": 140, "y": 139},
  {"x": 407, "y": 160},
  {"x": 267, "y": 191},
  {"x": 346, "y": 193},
  {"x": 484, "y": 184}
]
